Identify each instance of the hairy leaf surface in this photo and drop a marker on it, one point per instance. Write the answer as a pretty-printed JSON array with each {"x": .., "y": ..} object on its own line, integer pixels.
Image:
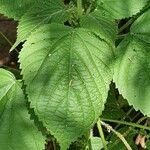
[
  {"x": 15, "y": 8},
  {"x": 122, "y": 8},
  {"x": 100, "y": 25},
  {"x": 71, "y": 72},
  {"x": 141, "y": 27},
  {"x": 41, "y": 13},
  {"x": 132, "y": 69},
  {"x": 17, "y": 131}
]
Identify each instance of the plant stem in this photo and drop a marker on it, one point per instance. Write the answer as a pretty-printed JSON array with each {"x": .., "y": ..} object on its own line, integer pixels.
[
  {"x": 130, "y": 110},
  {"x": 89, "y": 9},
  {"x": 89, "y": 141},
  {"x": 130, "y": 129},
  {"x": 9, "y": 42},
  {"x": 16, "y": 70},
  {"x": 99, "y": 126},
  {"x": 89, "y": 145},
  {"x": 121, "y": 36},
  {"x": 142, "y": 119},
  {"x": 127, "y": 123},
  {"x": 120, "y": 136},
  {"x": 136, "y": 116},
  {"x": 79, "y": 8},
  {"x": 125, "y": 25}
]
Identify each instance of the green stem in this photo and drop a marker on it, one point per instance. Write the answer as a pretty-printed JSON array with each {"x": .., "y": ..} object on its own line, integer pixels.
[
  {"x": 137, "y": 114},
  {"x": 142, "y": 119},
  {"x": 89, "y": 9},
  {"x": 121, "y": 36},
  {"x": 99, "y": 126},
  {"x": 89, "y": 145},
  {"x": 125, "y": 25},
  {"x": 125, "y": 134},
  {"x": 10, "y": 68},
  {"x": 79, "y": 8},
  {"x": 119, "y": 135},
  {"x": 8, "y": 41},
  {"x": 130, "y": 110},
  {"x": 89, "y": 141},
  {"x": 127, "y": 123}
]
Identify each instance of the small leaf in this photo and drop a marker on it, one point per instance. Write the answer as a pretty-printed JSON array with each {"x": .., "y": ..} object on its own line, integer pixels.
[
  {"x": 17, "y": 131},
  {"x": 132, "y": 69},
  {"x": 122, "y": 8},
  {"x": 41, "y": 13},
  {"x": 71, "y": 72}
]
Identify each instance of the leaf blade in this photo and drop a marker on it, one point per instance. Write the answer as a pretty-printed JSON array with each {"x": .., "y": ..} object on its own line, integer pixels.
[
  {"x": 102, "y": 26},
  {"x": 119, "y": 9},
  {"x": 17, "y": 130},
  {"x": 73, "y": 84},
  {"x": 15, "y": 9},
  {"x": 40, "y": 14}
]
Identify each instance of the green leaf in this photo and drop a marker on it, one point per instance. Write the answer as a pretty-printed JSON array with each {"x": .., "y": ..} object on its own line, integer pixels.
[
  {"x": 104, "y": 27},
  {"x": 15, "y": 8},
  {"x": 96, "y": 143},
  {"x": 132, "y": 75},
  {"x": 42, "y": 13},
  {"x": 17, "y": 131},
  {"x": 71, "y": 72},
  {"x": 132, "y": 69},
  {"x": 122, "y": 8},
  {"x": 141, "y": 27}
]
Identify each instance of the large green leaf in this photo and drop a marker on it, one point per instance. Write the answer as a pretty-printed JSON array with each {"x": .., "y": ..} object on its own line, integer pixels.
[
  {"x": 122, "y": 8},
  {"x": 17, "y": 131},
  {"x": 42, "y": 13},
  {"x": 67, "y": 72},
  {"x": 15, "y": 8},
  {"x": 132, "y": 69}
]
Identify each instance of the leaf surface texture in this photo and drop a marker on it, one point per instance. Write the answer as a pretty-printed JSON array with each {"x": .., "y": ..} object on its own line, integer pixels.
[
  {"x": 122, "y": 8},
  {"x": 132, "y": 69},
  {"x": 17, "y": 131},
  {"x": 41, "y": 13},
  {"x": 71, "y": 72}
]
